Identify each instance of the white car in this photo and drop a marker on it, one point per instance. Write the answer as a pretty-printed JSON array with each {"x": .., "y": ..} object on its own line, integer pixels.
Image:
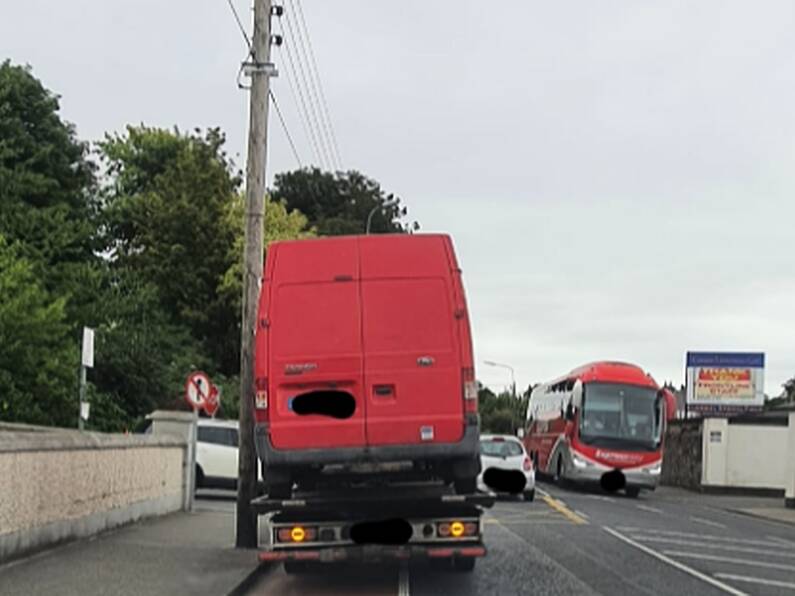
[
  {"x": 216, "y": 454},
  {"x": 506, "y": 467}
]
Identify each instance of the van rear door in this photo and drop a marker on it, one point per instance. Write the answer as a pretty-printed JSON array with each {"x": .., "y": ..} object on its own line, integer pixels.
[
  {"x": 316, "y": 350},
  {"x": 412, "y": 367}
]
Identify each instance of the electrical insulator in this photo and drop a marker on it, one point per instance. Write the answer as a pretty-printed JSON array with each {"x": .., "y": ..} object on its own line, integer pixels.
[
  {"x": 276, "y": 40},
  {"x": 277, "y": 10}
]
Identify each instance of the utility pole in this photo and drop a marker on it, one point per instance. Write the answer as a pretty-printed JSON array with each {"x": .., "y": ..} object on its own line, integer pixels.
[{"x": 260, "y": 69}]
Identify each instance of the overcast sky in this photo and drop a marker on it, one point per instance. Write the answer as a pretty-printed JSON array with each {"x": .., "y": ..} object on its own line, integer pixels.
[{"x": 618, "y": 177}]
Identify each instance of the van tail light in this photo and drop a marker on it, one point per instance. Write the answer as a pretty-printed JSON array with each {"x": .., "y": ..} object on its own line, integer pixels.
[
  {"x": 528, "y": 463},
  {"x": 261, "y": 395},
  {"x": 470, "y": 390}
]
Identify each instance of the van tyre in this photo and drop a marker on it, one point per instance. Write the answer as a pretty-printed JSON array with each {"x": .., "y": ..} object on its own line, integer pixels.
[
  {"x": 465, "y": 486},
  {"x": 279, "y": 491}
]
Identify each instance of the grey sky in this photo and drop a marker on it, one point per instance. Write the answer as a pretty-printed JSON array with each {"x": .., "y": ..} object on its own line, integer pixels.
[{"x": 618, "y": 176}]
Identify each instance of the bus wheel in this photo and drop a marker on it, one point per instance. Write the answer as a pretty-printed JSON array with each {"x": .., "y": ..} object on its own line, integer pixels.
[
  {"x": 632, "y": 492},
  {"x": 559, "y": 471}
]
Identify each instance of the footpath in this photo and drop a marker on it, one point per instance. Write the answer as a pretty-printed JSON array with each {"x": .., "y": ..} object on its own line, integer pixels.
[
  {"x": 181, "y": 553},
  {"x": 762, "y": 507}
]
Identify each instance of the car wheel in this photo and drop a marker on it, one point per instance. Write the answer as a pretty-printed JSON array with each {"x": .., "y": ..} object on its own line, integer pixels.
[
  {"x": 632, "y": 492},
  {"x": 199, "y": 477},
  {"x": 529, "y": 495},
  {"x": 464, "y": 564}
]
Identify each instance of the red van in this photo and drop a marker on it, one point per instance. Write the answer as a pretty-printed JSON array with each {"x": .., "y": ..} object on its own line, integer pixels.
[{"x": 364, "y": 356}]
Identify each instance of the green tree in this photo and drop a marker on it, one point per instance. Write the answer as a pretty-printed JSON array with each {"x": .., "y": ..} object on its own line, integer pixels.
[
  {"x": 279, "y": 224},
  {"x": 48, "y": 206},
  {"x": 142, "y": 357},
  {"x": 339, "y": 203},
  {"x": 503, "y": 413},
  {"x": 38, "y": 355},
  {"x": 166, "y": 219}
]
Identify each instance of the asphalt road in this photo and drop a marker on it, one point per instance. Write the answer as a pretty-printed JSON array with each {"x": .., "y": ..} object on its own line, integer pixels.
[{"x": 576, "y": 542}]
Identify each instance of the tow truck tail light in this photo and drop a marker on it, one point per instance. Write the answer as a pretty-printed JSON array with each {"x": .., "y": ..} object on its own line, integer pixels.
[
  {"x": 470, "y": 390},
  {"x": 297, "y": 534},
  {"x": 456, "y": 529},
  {"x": 261, "y": 395},
  {"x": 527, "y": 464}
]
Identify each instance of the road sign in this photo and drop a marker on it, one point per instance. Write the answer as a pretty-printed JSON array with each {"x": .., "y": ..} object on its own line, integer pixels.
[
  {"x": 88, "y": 347},
  {"x": 201, "y": 394}
]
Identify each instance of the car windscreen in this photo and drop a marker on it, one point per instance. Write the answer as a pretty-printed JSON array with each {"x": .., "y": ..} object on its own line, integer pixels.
[{"x": 500, "y": 448}]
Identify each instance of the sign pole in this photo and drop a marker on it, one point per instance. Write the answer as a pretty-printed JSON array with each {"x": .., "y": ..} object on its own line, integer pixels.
[{"x": 80, "y": 413}]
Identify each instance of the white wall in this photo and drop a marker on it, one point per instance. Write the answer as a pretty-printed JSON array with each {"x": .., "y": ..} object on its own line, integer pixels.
[{"x": 745, "y": 455}]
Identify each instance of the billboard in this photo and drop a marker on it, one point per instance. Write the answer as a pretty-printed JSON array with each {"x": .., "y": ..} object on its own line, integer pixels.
[{"x": 725, "y": 382}]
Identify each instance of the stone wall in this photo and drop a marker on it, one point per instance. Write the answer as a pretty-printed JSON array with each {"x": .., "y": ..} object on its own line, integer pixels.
[
  {"x": 682, "y": 454},
  {"x": 58, "y": 484}
]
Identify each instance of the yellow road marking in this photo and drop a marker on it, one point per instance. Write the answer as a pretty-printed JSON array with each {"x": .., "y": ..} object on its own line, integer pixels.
[{"x": 564, "y": 511}]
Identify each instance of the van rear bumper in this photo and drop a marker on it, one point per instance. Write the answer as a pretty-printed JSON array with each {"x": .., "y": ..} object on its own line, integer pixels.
[{"x": 468, "y": 447}]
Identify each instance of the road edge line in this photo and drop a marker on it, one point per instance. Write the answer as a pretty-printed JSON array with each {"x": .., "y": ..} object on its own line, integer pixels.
[
  {"x": 404, "y": 584},
  {"x": 680, "y": 566}
]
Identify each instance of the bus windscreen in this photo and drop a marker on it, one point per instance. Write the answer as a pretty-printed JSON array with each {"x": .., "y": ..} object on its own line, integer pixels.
[{"x": 614, "y": 414}]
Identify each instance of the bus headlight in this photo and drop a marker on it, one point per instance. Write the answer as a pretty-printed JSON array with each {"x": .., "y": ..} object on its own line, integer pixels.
[
  {"x": 655, "y": 470},
  {"x": 578, "y": 461}
]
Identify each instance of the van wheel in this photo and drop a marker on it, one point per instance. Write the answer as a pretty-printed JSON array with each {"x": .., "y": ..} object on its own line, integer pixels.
[
  {"x": 465, "y": 486},
  {"x": 464, "y": 564},
  {"x": 279, "y": 491},
  {"x": 632, "y": 492}
]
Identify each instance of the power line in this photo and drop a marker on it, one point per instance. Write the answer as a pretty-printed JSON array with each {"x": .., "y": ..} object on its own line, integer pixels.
[
  {"x": 324, "y": 103},
  {"x": 292, "y": 77},
  {"x": 313, "y": 92},
  {"x": 286, "y": 130},
  {"x": 313, "y": 111},
  {"x": 240, "y": 24}
]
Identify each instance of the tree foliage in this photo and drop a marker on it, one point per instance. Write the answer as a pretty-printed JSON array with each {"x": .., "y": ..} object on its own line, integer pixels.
[
  {"x": 149, "y": 254},
  {"x": 503, "y": 413},
  {"x": 38, "y": 358},
  {"x": 339, "y": 203}
]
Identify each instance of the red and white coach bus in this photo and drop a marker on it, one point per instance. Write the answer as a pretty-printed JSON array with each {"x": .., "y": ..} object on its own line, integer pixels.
[{"x": 602, "y": 423}]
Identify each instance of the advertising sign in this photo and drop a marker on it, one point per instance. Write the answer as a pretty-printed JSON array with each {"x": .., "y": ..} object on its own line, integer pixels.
[{"x": 725, "y": 382}]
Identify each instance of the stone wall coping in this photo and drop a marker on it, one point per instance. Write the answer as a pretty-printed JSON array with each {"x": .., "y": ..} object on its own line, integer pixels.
[{"x": 71, "y": 440}]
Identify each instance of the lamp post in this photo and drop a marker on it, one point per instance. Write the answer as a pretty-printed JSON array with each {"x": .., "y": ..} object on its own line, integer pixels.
[
  {"x": 391, "y": 203},
  {"x": 510, "y": 368}
]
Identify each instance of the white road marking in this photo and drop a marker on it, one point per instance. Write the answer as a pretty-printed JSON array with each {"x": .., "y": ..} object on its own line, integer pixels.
[
  {"x": 783, "y": 541},
  {"x": 730, "y": 547},
  {"x": 756, "y": 580},
  {"x": 650, "y": 509},
  {"x": 581, "y": 514},
  {"x": 681, "y": 566},
  {"x": 403, "y": 581},
  {"x": 678, "y": 553},
  {"x": 542, "y": 492},
  {"x": 707, "y": 522},
  {"x": 601, "y": 498},
  {"x": 702, "y": 536}
]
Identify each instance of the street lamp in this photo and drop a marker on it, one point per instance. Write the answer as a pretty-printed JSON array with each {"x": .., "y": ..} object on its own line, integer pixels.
[
  {"x": 510, "y": 368},
  {"x": 391, "y": 203}
]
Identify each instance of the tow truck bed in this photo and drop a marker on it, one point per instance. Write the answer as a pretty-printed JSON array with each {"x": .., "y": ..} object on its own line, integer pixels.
[{"x": 405, "y": 522}]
